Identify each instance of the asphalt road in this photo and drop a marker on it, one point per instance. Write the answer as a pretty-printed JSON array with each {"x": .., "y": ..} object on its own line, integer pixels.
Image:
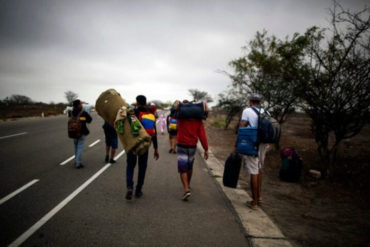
[{"x": 64, "y": 206}]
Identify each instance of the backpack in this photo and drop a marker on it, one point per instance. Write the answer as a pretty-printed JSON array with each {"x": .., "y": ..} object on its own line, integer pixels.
[
  {"x": 291, "y": 165},
  {"x": 172, "y": 124},
  {"x": 247, "y": 142},
  {"x": 75, "y": 126},
  {"x": 269, "y": 129},
  {"x": 147, "y": 119}
]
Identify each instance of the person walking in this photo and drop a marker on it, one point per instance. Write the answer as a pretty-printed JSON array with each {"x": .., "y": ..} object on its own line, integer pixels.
[
  {"x": 172, "y": 132},
  {"x": 189, "y": 131},
  {"x": 147, "y": 118},
  {"x": 84, "y": 117},
  {"x": 111, "y": 142},
  {"x": 162, "y": 123},
  {"x": 254, "y": 164}
]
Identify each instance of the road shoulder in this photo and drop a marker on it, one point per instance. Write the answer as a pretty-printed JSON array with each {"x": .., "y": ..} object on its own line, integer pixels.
[{"x": 259, "y": 228}]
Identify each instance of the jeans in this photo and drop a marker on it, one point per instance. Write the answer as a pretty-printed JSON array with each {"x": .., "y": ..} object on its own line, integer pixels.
[
  {"x": 131, "y": 163},
  {"x": 79, "y": 146}
]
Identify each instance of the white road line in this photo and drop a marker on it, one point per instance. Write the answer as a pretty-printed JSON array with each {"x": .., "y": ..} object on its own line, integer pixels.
[
  {"x": 18, "y": 134},
  {"x": 94, "y": 143},
  {"x": 119, "y": 155},
  {"x": 18, "y": 191},
  {"x": 67, "y": 160},
  {"x": 55, "y": 210},
  {"x": 72, "y": 157}
]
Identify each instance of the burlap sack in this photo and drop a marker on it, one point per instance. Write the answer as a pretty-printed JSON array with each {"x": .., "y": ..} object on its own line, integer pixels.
[{"x": 107, "y": 106}]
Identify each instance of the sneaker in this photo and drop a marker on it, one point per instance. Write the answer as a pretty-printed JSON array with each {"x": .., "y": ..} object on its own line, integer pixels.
[
  {"x": 138, "y": 193},
  {"x": 129, "y": 195},
  {"x": 112, "y": 161},
  {"x": 170, "y": 151},
  {"x": 80, "y": 166},
  {"x": 186, "y": 196},
  {"x": 106, "y": 158}
]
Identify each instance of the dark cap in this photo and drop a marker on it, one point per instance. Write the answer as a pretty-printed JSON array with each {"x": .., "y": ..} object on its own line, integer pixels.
[
  {"x": 76, "y": 102},
  {"x": 255, "y": 97}
]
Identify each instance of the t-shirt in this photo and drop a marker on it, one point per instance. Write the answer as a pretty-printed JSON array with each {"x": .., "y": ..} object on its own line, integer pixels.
[{"x": 250, "y": 116}]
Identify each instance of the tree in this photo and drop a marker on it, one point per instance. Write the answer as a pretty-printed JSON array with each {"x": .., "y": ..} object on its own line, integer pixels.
[
  {"x": 70, "y": 96},
  {"x": 200, "y": 95},
  {"x": 272, "y": 68},
  {"x": 17, "y": 99},
  {"x": 336, "y": 95}
]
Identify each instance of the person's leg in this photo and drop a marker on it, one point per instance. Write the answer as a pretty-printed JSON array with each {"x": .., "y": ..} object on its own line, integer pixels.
[
  {"x": 131, "y": 162},
  {"x": 252, "y": 167},
  {"x": 259, "y": 184},
  {"x": 185, "y": 180},
  {"x": 143, "y": 163},
  {"x": 183, "y": 168},
  {"x": 262, "y": 149},
  {"x": 75, "y": 143},
  {"x": 114, "y": 146},
  {"x": 173, "y": 138},
  {"x": 107, "y": 153},
  {"x": 254, "y": 188},
  {"x": 170, "y": 142},
  {"x": 80, "y": 147},
  {"x": 112, "y": 153},
  {"x": 190, "y": 174},
  {"x": 191, "y": 158}
]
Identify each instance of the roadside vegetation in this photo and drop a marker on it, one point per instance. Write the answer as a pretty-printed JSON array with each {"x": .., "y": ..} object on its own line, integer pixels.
[
  {"x": 20, "y": 106},
  {"x": 324, "y": 73}
]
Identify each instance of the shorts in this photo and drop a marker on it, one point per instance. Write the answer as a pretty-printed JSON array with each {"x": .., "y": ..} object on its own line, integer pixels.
[
  {"x": 111, "y": 141},
  {"x": 185, "y": 158},
  {"x": 253, "y": 163},
  {"x": 172, "y": 132}
]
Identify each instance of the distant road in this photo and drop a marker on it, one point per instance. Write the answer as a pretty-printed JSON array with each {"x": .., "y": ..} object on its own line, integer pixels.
[{"x": 45, "y": 201}]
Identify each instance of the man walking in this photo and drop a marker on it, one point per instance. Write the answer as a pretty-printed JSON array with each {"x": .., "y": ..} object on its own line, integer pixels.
[
  {"x": 254, "y": 164},
  {"x": 147, "y": 118},
  {"x": 111, "y": 142},
  {"x": 188, "y": 133},
  {"x": 84, "y": 118}
]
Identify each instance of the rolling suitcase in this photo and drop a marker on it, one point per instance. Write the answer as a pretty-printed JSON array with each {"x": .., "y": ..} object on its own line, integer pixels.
[{"x": 232, "y": 170}]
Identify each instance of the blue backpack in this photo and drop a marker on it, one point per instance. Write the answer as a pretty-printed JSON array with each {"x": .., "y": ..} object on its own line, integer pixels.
[{"x": 269, "y": 130}]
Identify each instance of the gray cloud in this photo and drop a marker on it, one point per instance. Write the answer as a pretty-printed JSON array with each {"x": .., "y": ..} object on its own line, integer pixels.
[{"x": 158, "y": 48}]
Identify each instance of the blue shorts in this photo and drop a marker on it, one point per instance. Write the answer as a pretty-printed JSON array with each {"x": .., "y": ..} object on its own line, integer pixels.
[
  {"x": 185, "y": 158},
  {"x": 111, "y": 141}
]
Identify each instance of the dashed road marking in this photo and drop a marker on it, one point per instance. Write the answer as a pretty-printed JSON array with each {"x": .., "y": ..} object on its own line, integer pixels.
[
  {"x": 9, "y": 136},
  {"x": 11, "y": 195},
  {"x": 94, "y": 143}
]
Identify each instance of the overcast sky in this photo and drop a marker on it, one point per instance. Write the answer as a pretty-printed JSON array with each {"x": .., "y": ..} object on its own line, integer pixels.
[{"x": 157, "y": 48}]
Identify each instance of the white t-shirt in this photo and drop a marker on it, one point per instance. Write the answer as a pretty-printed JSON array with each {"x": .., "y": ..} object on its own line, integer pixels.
[{"x": 250, "y": 116}]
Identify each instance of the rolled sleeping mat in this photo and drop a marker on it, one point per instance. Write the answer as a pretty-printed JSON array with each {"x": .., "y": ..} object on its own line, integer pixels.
[
  {"x": 107, "y": 106},
  {"x": 191, "y": 110}
]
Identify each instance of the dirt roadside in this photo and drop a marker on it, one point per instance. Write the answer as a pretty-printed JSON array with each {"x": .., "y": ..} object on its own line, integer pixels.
[{"x": 312, "y": 212}]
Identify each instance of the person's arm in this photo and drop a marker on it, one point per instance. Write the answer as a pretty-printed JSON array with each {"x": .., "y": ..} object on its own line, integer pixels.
[
  {"x": 155, "y": 144},
  {"x": 203, "y": 140},
  {"x": 88, "y": 117}
]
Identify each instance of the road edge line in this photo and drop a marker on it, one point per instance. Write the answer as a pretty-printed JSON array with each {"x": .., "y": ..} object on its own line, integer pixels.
[{"x": 57, "y": 208}]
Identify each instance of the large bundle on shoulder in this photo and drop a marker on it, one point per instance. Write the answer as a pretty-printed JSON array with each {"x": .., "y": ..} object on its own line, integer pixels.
[
  {"x": 114, "y": 110},
  {"x": 198, "y": 110}
]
